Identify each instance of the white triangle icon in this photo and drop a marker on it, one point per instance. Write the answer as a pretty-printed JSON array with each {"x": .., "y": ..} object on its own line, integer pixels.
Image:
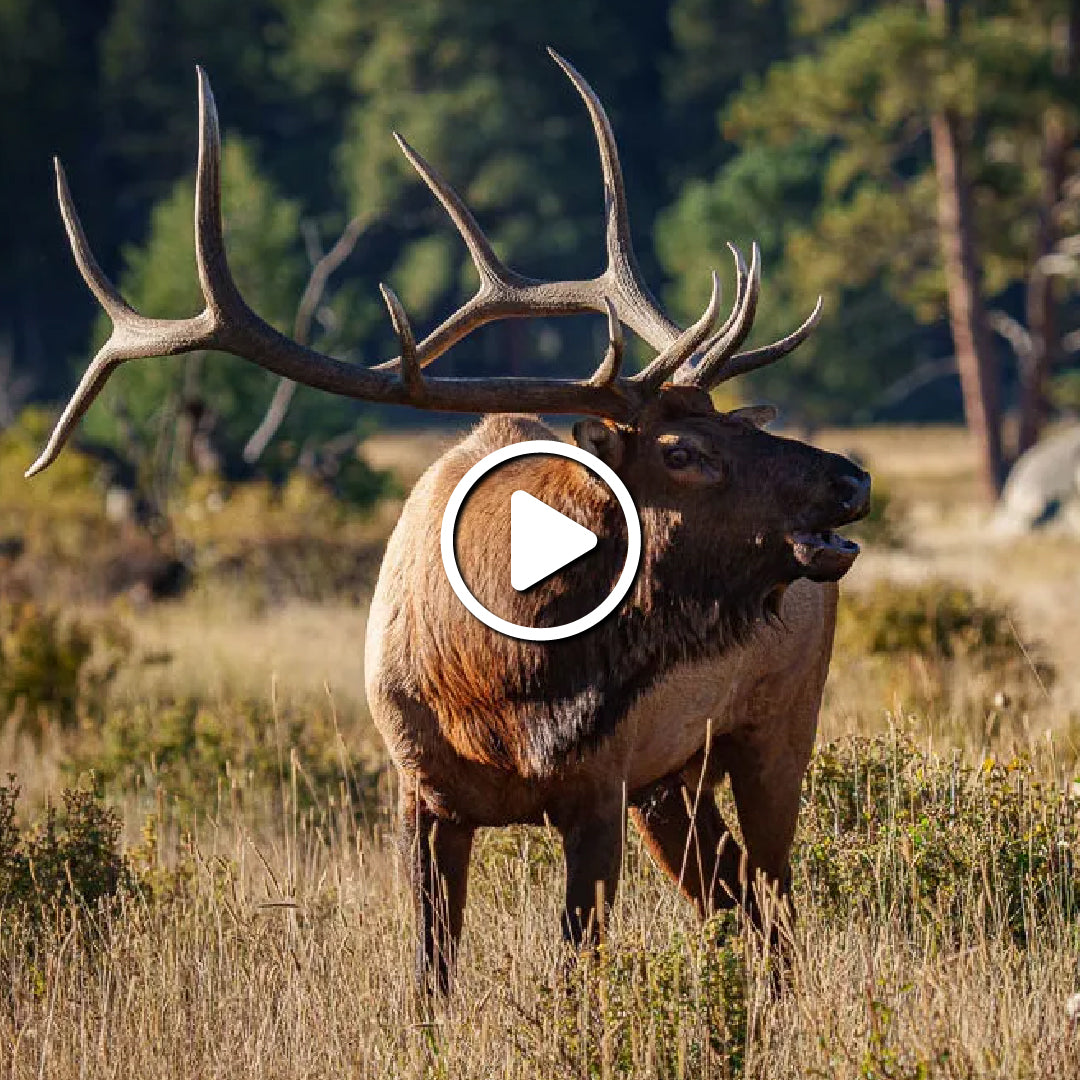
[{"x": 542, "y": 540}]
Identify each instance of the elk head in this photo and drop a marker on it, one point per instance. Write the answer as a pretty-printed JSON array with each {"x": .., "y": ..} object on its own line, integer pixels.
[
  {"x": 725, "y": 493},
  {"x": 697, "y": 471}
]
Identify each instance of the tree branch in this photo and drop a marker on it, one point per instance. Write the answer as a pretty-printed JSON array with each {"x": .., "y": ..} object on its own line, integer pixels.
[
  {"x": 1014, "y": 332},
  {"x": 312, "y": 296}
]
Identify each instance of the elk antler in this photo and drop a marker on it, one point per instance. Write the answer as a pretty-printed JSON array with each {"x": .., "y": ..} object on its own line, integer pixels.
[
  {"x": 227, "y": 324},
  {"x": 716, "y": 360}
]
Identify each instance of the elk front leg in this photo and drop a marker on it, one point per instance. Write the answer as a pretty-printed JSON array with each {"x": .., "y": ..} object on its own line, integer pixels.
[
  {"x": 592, "y": 846},
  {"x": 682, "y": 829},
  {"x": 767, "y": 786},
  {"x": 438, "y": 852}
]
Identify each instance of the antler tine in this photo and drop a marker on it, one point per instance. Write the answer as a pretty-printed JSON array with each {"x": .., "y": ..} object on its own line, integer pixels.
[
  {"x": 504, "y": 293},
  {"x": 218, "y": 288},
  {"x": 608, "y": 370},
  {"x": 742, "y": 318},
  {"x": 683, "y": 374},
  {"x": 675, "y": 355},
  {"x": 643, "y": 314},
  {"x": 753, "y": 359},
  {"x": 94, "y": 378},
  {"x": 742, "y": 276},
  {"x": 488, "y": 265},
  {"x": 720, "y": 347},
  {"x": 498, "y": 283},
  {"x": 411, "y": 374},
  {"x": 132, "y": 337},
  {"x": 107, "y": 294},
  {"x": 619, "y": 247}
]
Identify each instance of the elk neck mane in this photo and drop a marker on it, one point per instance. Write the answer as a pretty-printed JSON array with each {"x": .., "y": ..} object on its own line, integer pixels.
[{"x": 527, "y": 706}]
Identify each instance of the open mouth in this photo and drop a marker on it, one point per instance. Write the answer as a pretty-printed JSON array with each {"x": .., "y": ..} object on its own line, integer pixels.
[{"x": 825, "y": 555}]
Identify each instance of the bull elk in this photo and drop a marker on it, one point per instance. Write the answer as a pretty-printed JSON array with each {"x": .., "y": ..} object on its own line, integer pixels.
[{"x": 712, "y": 666}]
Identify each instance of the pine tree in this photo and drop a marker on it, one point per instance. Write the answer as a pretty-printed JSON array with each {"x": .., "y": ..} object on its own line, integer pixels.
[{"x": 929, "y": 117}]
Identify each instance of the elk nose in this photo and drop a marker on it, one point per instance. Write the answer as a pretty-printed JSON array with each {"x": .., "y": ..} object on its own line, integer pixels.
[{"x": 854, "y": 491}]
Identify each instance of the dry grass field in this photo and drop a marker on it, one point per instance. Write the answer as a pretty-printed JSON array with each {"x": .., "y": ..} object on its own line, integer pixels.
[{"x": 256, "y": 923}]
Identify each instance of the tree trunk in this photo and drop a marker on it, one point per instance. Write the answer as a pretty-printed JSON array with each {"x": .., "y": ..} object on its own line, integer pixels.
[
  {"x": 979, "y": 374},
  {"x": 1041, "y": 302}
]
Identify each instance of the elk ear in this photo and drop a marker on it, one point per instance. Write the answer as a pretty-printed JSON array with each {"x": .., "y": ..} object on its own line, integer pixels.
[
  {"x": 758, "y": 415},
  {"x": 601, "y": 438}
]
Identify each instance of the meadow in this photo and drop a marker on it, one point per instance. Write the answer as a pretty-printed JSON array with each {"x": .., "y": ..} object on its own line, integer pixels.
[{"x": 198, "y": 874}]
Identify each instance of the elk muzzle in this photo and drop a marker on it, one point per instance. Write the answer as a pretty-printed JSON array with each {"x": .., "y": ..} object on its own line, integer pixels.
[{"x": 821, "y": 553}]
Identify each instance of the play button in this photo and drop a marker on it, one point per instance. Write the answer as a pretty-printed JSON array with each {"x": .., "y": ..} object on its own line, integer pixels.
[{"x": 542, "y": 540}]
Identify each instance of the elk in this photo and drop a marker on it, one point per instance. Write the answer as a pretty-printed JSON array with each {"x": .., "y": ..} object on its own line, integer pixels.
[{"x": 712, "y": 666}]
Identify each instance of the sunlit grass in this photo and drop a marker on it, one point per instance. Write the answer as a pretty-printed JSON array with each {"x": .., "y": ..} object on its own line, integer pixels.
[{"x": 285, "y": 950}]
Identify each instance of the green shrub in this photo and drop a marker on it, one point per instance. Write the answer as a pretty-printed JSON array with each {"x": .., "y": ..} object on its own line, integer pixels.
[
  {"x": 55, "y": 669},
  {"x": 680, "y": 1010},
  {"x": 893, "y": 829},
  {"x": 303, "y": 534},
  {"x": 937, "y": 621},
  {"x": 60, "y": 511},
  {"x": 69, "y": 858},
  {"x": 939, "y": 650},
  {"x": 210, "y": 756},
  {"x": 71, "y": 862},
  {"x": 296, "y": 539},
  {"x": 1064, "y": 391}
]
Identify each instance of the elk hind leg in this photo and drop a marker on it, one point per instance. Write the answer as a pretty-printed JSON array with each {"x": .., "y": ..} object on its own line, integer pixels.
[
  {"x": 685, "y": 834},
  {"x": 438, "y": 851}
]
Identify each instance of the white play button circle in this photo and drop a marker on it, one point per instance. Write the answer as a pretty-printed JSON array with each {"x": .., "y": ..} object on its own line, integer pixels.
[{"x": 542, "y": 540}]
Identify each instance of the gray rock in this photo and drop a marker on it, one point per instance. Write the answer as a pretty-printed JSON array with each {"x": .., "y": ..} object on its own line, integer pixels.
[{"x": 1043, "y": 487}]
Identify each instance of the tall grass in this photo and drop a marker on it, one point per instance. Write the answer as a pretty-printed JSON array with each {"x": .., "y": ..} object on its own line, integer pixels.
[{"x": 927, "y": 944}]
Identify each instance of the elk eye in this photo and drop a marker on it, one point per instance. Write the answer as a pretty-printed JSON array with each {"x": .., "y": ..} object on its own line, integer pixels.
[{"x": 678, "y": 457}]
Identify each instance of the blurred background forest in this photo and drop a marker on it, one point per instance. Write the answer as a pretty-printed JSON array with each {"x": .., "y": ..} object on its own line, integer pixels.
[
  {"x": 914, "y": 163},
  {"x": 202, "y": 815}
]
